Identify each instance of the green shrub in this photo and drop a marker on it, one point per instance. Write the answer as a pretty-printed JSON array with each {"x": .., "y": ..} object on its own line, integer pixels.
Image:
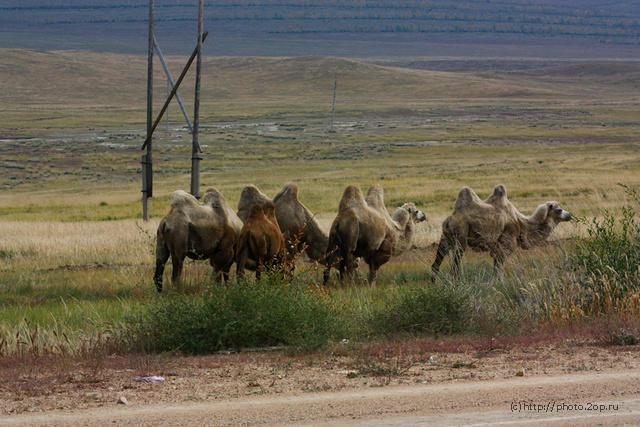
[
  {"x": 433, "y": 309},
  {"x": 241, "y": 315},
  {"x": 609, "y": 257}
]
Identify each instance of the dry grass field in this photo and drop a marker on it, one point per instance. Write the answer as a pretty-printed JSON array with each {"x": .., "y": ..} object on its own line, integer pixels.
[{"x": 76, "y": 259}]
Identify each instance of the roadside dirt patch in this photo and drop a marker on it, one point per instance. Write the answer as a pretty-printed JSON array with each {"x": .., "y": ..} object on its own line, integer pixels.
[{"x": 50, "y": 384}]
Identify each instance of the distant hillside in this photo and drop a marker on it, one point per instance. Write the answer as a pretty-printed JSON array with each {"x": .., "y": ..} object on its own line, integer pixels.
[
  {"x": 346, "y": 27},
  {"x": 73, "y": 79},
  {"x": 67, "y": 89}
]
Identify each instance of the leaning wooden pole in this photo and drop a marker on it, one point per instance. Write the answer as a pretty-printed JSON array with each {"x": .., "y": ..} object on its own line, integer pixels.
[
  {"x": 195, "y": 146},
  {"x": 147, "y": 159}
]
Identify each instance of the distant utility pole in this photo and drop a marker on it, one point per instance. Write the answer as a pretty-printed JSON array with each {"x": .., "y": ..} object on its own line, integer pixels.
[
  {"x": 333, "y": 102},
  {"x": 173, "y": 85}
]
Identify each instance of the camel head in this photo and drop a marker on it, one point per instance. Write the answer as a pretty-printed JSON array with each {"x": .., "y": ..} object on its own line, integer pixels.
[
  {"x": 406, "y": 217},
  {"x": 541, "y": 224},
  {"x": 550, "y": 212},
  {"x": 416, "y": 214}
]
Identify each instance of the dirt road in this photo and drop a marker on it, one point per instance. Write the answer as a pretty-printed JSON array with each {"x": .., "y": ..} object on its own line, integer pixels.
[{"x": 605, "y": 398}]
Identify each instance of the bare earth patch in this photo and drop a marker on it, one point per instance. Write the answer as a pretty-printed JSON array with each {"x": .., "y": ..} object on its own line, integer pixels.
[{"x": 40, "y": 385}]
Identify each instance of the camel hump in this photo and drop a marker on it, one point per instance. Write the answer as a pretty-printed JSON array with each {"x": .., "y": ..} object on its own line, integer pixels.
[
  {"x": 250, "y": 196},
  {"x": 249, "y": 191},
  {"x": 466, "y": 197},
  {"x": 288, "y": 192},
  {"x": 350, "y": 197},
  {"x": 500, "y": 191},
  {"x": 499, "y": 196},
  {"x": 213, "y": 197},
  {"x": 181, "y": 198},
  {"x": 375, "y": 196}
]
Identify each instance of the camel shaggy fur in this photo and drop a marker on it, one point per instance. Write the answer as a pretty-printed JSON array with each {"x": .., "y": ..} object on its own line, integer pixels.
[
  {"x": 366, "y": 230},
  {"x": 260, "y": 240},
  {"x": 197, "y": 231},
  {"x": 299, "y": 226},
  {"x": 493, "y": 225}
]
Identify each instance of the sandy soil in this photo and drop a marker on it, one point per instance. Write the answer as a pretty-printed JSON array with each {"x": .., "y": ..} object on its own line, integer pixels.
[{"x": 391, "y": 383}]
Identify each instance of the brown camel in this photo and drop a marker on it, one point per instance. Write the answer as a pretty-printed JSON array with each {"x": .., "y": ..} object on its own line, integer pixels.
[
  {"x": 197, "y": 231},
  {"x": 493, "y": 225},
  {"x": 260, "y": 240},
  {"x": 367, "y": 231},
  {"x": 299, "y": 226}
]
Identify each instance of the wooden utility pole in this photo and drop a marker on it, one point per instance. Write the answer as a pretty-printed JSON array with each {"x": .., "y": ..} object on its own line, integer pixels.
[
  {"x": 154, "y": 47},
  {"x": 147, "y": 160},
  {"x": 333, "y": 102},
  {"x": 195, "y": 146}
]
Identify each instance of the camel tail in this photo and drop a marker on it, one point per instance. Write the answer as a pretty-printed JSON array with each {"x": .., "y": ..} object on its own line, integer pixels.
[{"x": 242, "y": 254}]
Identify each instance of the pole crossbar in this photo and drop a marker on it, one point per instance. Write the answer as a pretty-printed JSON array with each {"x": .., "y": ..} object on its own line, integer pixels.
[
  {"x": 172, "y": 83},
  {"x": 172, "y": 94}
]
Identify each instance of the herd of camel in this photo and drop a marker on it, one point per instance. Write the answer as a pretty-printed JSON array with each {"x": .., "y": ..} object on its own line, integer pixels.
[{"x": 267, "y": 233}]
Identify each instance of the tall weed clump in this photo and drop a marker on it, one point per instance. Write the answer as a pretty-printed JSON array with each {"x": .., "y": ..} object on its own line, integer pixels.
[
  {"x": 438, "y": 309},
  {"x": 242, "y": 315},
  {"x": 608, "y": 258}
]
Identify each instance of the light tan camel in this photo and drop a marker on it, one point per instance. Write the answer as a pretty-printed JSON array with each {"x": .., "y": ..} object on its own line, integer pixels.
[
  {"x": 197, "y": 231},
  {"x": 493, "y": 225}
]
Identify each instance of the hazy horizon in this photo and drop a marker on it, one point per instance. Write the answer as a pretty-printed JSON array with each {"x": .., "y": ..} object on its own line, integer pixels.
[{"x": 374, "y": 29}]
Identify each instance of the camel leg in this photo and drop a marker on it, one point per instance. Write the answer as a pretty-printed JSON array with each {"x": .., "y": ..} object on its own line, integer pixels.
[
  {"x": 221, "y": 263},
  {"x": 343, "y": 269},
  {"x": 441, "y": 253},
  {"x": 458, "y": 251},
  {"x": 329, "y": 262},
  {"x": 379, "y": 258},
  {"x": 373, "y": 272},
  {"x": 162, "y": 256},
  {"x": 242, "y": 257},
  {"x": 225, "y": 274},
  {"x": 330, "y": 259},
  {"x": 259, "y": 269},
  {"x": 326, "y": 274},
  {"x": 216, "y": 270},
  {"x": 498, "y": 262},
  {"x": 177, "y": 261}
]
